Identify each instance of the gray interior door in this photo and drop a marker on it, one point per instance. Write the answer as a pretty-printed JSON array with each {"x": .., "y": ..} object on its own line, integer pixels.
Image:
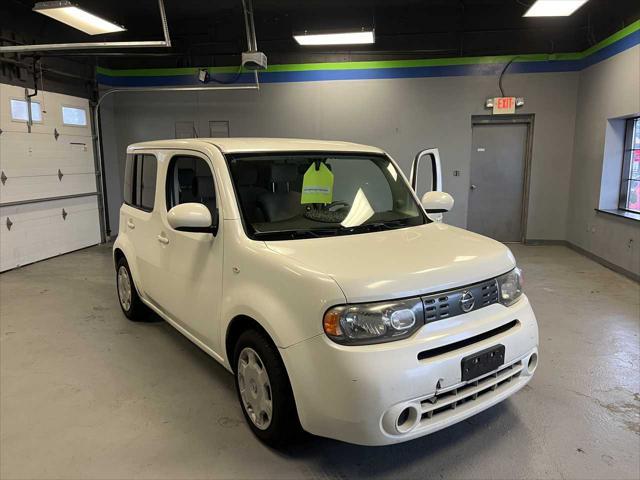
[{"x": 497, "y": 181}]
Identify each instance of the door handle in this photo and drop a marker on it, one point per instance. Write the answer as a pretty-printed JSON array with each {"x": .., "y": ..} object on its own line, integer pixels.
[
  {"x": 163, "y": 240},
  {"x": 130, "y": 224},
  {"x": 473, "y": 187}
]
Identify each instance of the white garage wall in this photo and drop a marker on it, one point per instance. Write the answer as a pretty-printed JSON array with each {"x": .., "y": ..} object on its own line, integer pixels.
[
  {"x": 48, "y": 204},
  {"x": 400, "y": 115},
  {"x": 607, "y": 90}
]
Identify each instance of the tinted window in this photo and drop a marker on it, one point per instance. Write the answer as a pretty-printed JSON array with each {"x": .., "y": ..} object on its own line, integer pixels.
[
  {"x": 149, "y": 167},
  {"x": 189, "y": 179},
  {"x": 140, "y": 181},
  {"x": 128, "y": 180}
]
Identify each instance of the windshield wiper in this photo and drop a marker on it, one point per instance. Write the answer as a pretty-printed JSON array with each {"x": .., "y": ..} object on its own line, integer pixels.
[
  {"x": 293, "y": 234},
  {"x": 330, "y": 231}
]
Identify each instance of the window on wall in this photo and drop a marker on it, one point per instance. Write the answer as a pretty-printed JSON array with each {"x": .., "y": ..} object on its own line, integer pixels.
[
  {"x": 630, "y": 184},
  {"x": 74, "y": 116},
  {"x": 20, "y": 111}
]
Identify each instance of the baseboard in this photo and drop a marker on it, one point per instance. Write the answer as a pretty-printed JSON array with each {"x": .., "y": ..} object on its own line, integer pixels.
[
  {"x": 606, "y": 263},
  {"x": 536, "y": 242},
  {"x": 592, "y": 256}
]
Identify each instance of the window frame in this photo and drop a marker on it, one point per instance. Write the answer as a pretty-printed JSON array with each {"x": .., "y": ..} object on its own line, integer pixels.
[
  {"x": 86, "y": 116},
  {"x": 627, "y": 158},
  {"x": 19, "y": 120},
  {"x": 135, "y": 201}
]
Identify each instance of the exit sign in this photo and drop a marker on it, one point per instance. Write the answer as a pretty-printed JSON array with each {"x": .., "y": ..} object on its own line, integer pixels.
[{"x": 504, "y": 105}]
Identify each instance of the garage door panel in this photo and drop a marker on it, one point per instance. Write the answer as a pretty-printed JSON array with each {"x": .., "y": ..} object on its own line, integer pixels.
[
  {"x": 38, "y": 154},
  {"x": 42, "y": 230},
  {"x": 35, "y": 166},
  {"x": 17, "y": 189},
  {"x": 51, "y": 105}
]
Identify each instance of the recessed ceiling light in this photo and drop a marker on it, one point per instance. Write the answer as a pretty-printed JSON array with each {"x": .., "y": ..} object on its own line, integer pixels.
[
  {"x": 554, "y": 8},
  {"x": 74, "y": 16},
  {"x": 344, "y": 38}
]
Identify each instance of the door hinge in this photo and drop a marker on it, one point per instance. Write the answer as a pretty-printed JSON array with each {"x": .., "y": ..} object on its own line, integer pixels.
[
  {"x": 3, "y": 178},
  {"x": 64, "y": 214},
  {"x": 55, "y": 134},
  {"x": 60, "y": 175},
  {"x": 9, "y": 223}
]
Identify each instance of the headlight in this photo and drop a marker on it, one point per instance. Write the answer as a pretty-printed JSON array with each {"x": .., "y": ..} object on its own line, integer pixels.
[
  {"x": 510, "y": 285},
  {"x": 373, "y": 322}
]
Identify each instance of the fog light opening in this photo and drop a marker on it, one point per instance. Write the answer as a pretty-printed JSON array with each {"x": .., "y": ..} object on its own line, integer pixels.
[
  {"x": 407, "y": 419},
  {"x": 533, "y": 363}
]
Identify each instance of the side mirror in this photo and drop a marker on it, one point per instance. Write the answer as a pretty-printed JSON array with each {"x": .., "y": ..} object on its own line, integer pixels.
[
  {"x": 437, "y": 202},
  {"x": 193, "y": 217}
]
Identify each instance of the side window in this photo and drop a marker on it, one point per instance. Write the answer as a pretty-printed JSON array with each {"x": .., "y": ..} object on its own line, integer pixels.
[
  {"x": 147, "y": 186},
  {"x": 140, "y": 174},
  {"x": 189, "y": 179},
  {"x": 128, "y": 180}
]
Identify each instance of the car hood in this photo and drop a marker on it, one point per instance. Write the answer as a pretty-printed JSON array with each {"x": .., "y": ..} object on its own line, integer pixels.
[{"x": 403, "y": 262}]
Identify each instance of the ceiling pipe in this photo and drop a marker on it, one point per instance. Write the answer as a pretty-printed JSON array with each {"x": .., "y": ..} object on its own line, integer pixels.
[{"x": 97, "y": 45}]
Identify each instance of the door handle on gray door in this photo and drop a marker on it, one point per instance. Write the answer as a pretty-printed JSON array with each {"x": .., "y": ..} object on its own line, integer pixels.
[
  {"x": 473, "y": 187},
  {"x": 130, "y": 224},
  {"x": 162, "y": 239}
]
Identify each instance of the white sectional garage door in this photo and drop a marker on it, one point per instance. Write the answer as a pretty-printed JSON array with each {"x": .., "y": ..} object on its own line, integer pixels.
[{"x": 48, "y": 200}]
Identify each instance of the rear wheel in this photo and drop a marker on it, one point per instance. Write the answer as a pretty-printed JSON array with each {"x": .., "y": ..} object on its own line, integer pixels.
[
  {"x": 264, "y": 390},
  {"x": 130, "y": 302}
]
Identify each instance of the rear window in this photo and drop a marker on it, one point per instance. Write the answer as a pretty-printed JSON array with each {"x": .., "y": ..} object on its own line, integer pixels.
[{"x": 140, "y": 181}]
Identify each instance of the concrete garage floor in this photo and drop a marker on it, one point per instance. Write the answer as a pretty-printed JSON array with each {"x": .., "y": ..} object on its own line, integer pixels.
[{"x": 87, "y": 394}]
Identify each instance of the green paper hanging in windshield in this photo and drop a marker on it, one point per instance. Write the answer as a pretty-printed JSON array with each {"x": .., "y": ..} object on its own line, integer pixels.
[{"x": 317, "y": 185}]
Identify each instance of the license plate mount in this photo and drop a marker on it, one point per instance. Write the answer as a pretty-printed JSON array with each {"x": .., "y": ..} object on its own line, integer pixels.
[{"x": 482, "y": 362}]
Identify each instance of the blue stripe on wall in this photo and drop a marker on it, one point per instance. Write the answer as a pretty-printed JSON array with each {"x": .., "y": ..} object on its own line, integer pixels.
[{"x": 388, "y": 73}]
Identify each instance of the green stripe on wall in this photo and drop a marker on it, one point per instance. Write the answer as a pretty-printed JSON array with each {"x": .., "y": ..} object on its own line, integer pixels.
[{"x": 437, "y": 62}]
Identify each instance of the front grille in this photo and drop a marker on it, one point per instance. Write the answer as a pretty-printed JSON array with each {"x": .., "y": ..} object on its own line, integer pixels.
[
  {"x": 442, "y": 404},
  {"x": 439, "y": 306}
]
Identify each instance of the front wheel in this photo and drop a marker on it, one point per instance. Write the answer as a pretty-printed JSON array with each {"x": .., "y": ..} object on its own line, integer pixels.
[{"x": 264, "y": 390}]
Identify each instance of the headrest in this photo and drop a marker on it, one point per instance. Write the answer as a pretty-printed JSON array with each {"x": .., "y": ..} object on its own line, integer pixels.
[
  {"x": 185, "y": 177},
  {"x": 205, "y": 187},
  {"x": 247, "y": 175},
  {"x": 282, "y": 173}
]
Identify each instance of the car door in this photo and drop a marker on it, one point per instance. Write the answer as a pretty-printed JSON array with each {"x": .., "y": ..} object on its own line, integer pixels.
[
  {"x": 426, "y": 176},
  {"x": 141, "y": 220},
  {"x": 192, "y": 262}
]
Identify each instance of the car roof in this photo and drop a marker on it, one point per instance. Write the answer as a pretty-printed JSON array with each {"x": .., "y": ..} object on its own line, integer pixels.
[{"x": 246, "y": 145}]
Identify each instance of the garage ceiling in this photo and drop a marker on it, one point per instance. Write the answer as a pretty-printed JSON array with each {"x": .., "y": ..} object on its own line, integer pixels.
[{"x": 212, "y": 32}]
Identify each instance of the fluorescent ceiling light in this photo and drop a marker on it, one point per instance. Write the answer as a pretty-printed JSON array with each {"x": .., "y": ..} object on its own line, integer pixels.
[
  {"x": 554, "y": 8},
  {"x": 346, "y": 38},
  {"x": 74, "y": 16}
]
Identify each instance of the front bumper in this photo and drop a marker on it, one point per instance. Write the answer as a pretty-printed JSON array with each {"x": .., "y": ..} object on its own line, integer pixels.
[{"x": 358, "y": 393}]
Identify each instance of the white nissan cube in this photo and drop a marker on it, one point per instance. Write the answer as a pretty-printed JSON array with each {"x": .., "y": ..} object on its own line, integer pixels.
[{"x": 341, "y": 303}]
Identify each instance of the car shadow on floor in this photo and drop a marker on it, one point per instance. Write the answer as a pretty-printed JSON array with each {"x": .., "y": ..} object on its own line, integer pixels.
[{"x": 475, "y": 436}]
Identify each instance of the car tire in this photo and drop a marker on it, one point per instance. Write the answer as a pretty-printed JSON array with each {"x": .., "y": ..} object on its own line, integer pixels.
[
  {"x": 130, "y": 302},
  {"x": 264, "y": 390}
]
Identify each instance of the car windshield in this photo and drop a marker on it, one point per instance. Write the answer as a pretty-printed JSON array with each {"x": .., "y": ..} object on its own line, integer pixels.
[{"x": 316, "y": 194}]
